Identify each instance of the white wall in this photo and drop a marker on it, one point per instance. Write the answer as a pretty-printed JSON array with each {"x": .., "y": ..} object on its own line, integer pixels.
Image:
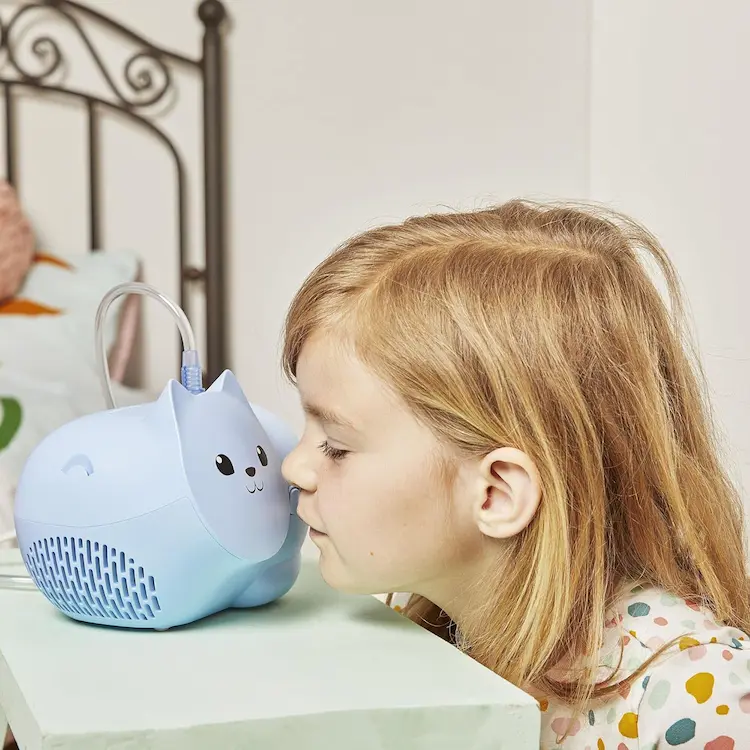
[
  {"x": 342, "y": 115},
  {"x": 351, "y": 114},
  {"x": 670, "y": 118}
]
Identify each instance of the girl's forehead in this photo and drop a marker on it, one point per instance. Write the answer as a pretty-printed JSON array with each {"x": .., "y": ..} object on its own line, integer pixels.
[
  {"x": 326, "y": 367},
  {"x": 333, "y": 382}
]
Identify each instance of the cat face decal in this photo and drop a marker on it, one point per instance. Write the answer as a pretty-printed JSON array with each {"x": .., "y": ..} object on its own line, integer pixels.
[
  {"x": 226, "y": 467},
  {"x": 232, "y": 467}
]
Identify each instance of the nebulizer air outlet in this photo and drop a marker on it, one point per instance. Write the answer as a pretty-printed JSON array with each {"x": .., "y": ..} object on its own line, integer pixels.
[{"x": 157, "y": 515}]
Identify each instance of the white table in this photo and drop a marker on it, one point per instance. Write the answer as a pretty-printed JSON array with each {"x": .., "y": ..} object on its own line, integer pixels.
[{"x": 315, "y": 670}]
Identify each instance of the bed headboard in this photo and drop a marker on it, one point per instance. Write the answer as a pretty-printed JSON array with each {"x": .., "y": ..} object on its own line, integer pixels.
[{"x": 146, "y": 79}]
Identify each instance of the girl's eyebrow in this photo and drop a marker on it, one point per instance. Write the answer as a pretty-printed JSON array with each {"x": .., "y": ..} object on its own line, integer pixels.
[{"x": 326, "y": 416}]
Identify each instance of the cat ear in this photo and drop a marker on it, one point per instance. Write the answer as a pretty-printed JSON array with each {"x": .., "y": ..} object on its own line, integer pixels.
[
  {"x": 173, "y": 397},
  {"x": 282, "y": 437},
  {"x": 228, "y": 383}
]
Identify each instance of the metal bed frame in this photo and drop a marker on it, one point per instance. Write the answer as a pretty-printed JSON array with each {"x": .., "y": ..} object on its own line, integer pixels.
[{"x": 146, "y": 78}]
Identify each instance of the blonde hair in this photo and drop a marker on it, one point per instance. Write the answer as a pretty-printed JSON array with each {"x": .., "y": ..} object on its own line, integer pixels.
[{"x": 538, "y": 326}]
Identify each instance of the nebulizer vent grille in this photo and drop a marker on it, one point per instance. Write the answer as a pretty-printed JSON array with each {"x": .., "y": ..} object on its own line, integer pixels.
[{"x": 88, "y": 578}]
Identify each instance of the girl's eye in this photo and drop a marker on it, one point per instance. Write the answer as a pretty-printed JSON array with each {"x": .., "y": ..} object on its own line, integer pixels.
[{"x": 335, "y": 454}]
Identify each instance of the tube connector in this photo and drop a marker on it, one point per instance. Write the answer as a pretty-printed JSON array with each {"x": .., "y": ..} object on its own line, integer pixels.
[{"x": 191, "y": 373}]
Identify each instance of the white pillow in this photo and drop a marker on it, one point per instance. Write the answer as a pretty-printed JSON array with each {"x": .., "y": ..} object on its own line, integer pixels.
[{"x": 47, "y": 329}]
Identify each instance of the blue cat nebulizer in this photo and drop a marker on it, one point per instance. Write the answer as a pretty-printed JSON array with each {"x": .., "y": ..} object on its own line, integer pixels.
[{"x": 157, "y": 515}]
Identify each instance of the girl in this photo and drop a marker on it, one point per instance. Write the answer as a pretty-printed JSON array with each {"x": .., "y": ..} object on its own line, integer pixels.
[{"x": 502, "y": 417}]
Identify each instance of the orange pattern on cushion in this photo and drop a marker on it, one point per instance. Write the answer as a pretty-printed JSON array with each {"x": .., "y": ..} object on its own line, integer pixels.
[
  {"x": 52, "y": 260},
  {"x": 19, "y": 306}
]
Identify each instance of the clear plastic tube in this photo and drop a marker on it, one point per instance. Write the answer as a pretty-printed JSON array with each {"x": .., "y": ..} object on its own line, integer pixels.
[
  {"x": 18, "y": 582},
  {"x": 191, "y": 370}
]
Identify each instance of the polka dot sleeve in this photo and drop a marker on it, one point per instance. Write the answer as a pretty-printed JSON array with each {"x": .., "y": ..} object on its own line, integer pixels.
[{"x": 698, "y": 698}]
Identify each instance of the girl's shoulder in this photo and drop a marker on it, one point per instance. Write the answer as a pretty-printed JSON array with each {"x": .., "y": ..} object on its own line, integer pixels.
[
  {"x": 693, "y": 686},
  {"x": 654, "y": 618}
]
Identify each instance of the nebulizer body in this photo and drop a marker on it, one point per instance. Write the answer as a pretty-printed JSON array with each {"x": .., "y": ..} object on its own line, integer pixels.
[{"x": 160, "y": 514}]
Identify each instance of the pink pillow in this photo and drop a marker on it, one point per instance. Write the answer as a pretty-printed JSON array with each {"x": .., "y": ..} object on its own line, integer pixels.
[
  {"x": 127, "y": 332},
  {"x": 16, "y": 242}
]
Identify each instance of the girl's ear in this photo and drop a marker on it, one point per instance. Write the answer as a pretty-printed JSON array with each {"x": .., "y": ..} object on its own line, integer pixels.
[{"x": 508, "y": 493}]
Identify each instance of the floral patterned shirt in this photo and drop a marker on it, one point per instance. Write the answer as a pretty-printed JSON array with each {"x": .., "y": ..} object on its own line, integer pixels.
[{"x": 696, "y": 695}]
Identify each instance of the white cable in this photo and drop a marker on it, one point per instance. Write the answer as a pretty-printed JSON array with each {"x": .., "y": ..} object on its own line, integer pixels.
[
  {"x": 136, "y": 287},
  {"x": 16, "y": 581},
  {"x": 19, "y": 583},
  {"x": 8, "y": 537}
]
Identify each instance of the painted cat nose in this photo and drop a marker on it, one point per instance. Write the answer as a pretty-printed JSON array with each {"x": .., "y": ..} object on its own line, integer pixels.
[{"x": 250, "y": 471}]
